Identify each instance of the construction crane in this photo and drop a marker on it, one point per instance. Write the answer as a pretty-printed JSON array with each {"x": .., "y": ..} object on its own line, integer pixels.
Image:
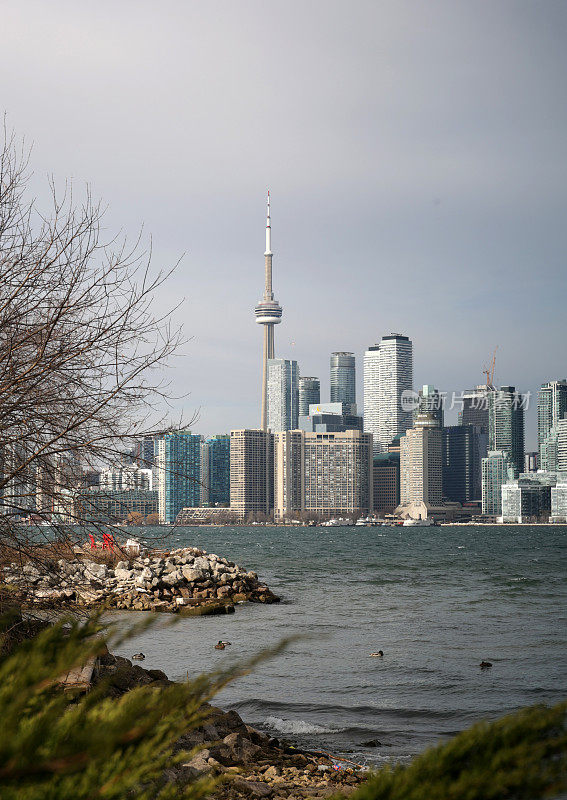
[{"x": 490, "y": 372}]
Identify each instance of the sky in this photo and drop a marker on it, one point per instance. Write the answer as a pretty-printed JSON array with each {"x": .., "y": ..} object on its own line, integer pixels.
[{"x": 414, "y": 152}]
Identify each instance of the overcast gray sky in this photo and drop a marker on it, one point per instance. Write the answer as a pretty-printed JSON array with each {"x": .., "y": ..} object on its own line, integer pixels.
[{"x": 415, "y": 153}]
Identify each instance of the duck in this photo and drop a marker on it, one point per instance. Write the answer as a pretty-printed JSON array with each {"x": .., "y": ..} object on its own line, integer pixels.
[
  {"x": 138, "y": 657},
  {"x": 220, "y": 645},
  {"x": 485, "y": 665},
  {"x": 379, "y": 654}
]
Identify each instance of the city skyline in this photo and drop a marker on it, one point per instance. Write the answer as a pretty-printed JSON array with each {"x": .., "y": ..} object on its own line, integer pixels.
[{"x": 416, "y": 159}]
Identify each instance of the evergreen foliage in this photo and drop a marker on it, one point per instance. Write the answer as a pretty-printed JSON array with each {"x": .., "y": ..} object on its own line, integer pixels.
[
  {"x": 56, "y": 746},
  {"x": 521, "y": 756}
]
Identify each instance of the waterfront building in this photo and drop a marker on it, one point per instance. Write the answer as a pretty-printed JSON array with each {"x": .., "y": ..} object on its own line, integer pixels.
[
  {"x": 343, "y": 379},
  {"x": 559, "y": 499},
  {"x": 323, "y": 474},
  {"x": 421, "y": 473},
  {"x": 215, "y": 471},
  {"x": 251, "y": 472},
  {"x": 330, "y": 418},
  {"x": 125, "y": 477},
  {"x": 464, "y": 447},
  {"x": 497, "y": 468},
  {"x": 309, "y": 394},
  {"x": 386, "y": 482},
  {"x": 506, "y": 424},
  {"x": 551, "y": 407},
  {"x": 528, "y": 497},
  {"x": 388, "y": 382},
  {"x": 429, "y": 399},
  {"x": 283, "y": 376},
  {"x": 268, "y": 313},
  {"x": 179, "y": 473},
  {"x": 115, "y": 505}
]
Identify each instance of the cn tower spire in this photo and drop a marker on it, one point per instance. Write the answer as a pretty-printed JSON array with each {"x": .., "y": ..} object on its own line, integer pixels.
[{"x": 268, "y": 313}]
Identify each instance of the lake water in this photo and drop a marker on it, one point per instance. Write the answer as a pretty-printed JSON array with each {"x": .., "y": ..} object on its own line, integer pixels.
[{"x": 437, "y": 601}]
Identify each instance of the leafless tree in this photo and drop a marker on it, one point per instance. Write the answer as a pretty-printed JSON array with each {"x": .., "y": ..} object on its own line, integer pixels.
[{"x": 81, "y": 349}]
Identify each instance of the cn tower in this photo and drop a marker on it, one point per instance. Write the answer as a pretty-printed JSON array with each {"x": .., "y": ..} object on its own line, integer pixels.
[{"x": 268, "y": 313}]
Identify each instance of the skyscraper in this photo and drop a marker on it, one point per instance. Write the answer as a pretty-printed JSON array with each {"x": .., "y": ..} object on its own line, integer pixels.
[
  {"x": 388, "y": 374},
  {"x": 215, "y": 470},
  {"x": 283, "y": 377},
  {"x": 268, "y": 313},
  {"x": 343, "y": 378},
  {"x": 464, "y": 447},
  {"x": 497, "y": 468},
  {"x": 179, "y": 473},
  {"x": 475, "y": 407},
  {"x": 251, "y": 472},
  {"x": 309, "y": 394},
  {"x": 551, "y": 408},
  {"x": 506, "y": 424},
  {"x": 429, "y": 399},
  {"x": 421, "y": 475},
  {"x": 325, "y": 474}
]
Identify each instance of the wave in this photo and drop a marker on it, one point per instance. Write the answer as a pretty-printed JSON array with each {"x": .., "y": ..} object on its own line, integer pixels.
[
  {"x": 273, "y": 708},
  {"x": 298, "y": 726}
]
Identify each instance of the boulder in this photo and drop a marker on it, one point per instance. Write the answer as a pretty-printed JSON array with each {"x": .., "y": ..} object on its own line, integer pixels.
[
  {"x": 192, "y": 574},
  {"x": 123, "y": 574}
]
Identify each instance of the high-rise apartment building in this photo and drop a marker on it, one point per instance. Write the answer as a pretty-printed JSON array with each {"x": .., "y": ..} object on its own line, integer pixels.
[
  {"x": 388, "y": 379},
  {"x": 551, "y": 409},
  {"x": 326, "y": 474},
  {"x": 343, "y": 378},
  {"x": 215, "y": 471},
  {"x": 421, "y": 472},
  {"x": 528, "y": 497},
  {"x": 506, "y": 424},
  {"x": 464, "y": 447},
  {"x": 251, "y": 472},
  {"x": 309, "y": 394},
  {"x": 283, "y": 376},
  {"x": 178, "y": 473},
  {"x": 127, "y": 476},
  {"x": 497, "y": 468}
]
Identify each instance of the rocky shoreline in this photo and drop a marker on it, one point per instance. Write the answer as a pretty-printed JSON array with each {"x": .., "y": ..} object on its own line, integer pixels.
[
  {"x": 250, "y": 764},
  {"x": 186, "y": 580}
]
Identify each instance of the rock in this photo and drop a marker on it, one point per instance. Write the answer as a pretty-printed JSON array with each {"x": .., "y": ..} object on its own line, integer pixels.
[
  {"x": 172, "y": 578},
  {"x": 243, "y": 748},
  {"x": 251, "y": 788},
  {"x": 192, "y": 574},
  {"x": 123, "y": 574},
  {"x": 94, "y": 570}
]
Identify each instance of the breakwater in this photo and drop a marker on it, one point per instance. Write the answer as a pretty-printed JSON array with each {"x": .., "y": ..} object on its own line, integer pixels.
[{"x": 186, "y": 579}]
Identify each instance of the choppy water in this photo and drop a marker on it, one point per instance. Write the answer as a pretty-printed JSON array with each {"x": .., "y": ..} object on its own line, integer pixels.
[{"x": 437, "y": 601}]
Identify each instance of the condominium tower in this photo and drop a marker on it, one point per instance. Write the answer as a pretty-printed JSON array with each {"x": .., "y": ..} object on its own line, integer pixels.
[
  {"x": 179, "y": 473},
  {"x": 283, "y": 394},
  {"x": 421, "y": 470},
  {"x": 551, "y": 411},
  {"x": 506, "y": 424},
  {"x": 309, "y": 394},
  {"x": 268, "y": 313},
  {"x": 388, "y": 379},
  {"x": 324, "y": 474},
  {"x": 343, "y": 378},
  {"x": 251, "y": 472}
]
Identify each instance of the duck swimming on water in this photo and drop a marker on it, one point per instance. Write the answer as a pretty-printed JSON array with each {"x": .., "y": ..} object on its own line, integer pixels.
[
  {"x": 379, "y": 654},
  {"x": 138, "y": 657},
  {"x": 485, "y": 665},
  {"x": 220, "y": 645}
]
